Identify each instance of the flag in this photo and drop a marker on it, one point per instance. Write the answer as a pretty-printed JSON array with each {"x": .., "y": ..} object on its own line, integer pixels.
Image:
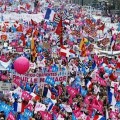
[
  {"x": 50, "y": 106},
  {"x": 66, "y": 52},
  {"x": 68, "y": 16},
  {"x": 33, "y": 50},
  {"x": 20, "y": 28},
  {"x": 89, "y": 21},
  {"x": 33, "y": 22},
  {"x": 73, "y": 117},
  {"x": 49, "y": 14},
  {"x": 22, "y": 117},
  {"x": 35, "y": 32},
  {"x": 112, "y": 43},
  {"x": 111, "y": 97},
  {"x": 65, "y": 16},
  {"x": 28, "y": 6},
  {"x": 56, "y": 18},
  {"x": 5, "y": 8},
  {"x": 67, "y": 108},
  {"x": 22, "y": 8},
  {"x": 101, "y": 27},
  {"x": 59, "y": 31},
  {"x": 46, "y": 115},
  {"x": 6, "y": 23},
  {"x": 83, "y": 50},
  {"x": 47, "y": 93},
  {"x": 18, "y": 107},
  {"x": 93, "y": 65},
  {"x": 89, "y": 84},
  {"x": 54, "y": 91},
  {"x": 23, "y": 39},
  {"x": 29, "y": 31},
  {"x": 36, "y": 97},
  {"x": 16, "y": 24},
  {"x": 99, "y": 117},
  {"x": 30, "y": 106},
  {"x": 11, "y": 116},
  {"x": 81, "y": 43},
  {"x": 28, "y": 113}
]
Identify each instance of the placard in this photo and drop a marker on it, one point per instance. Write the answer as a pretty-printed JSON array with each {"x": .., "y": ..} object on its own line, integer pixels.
[
  {"x": 19, "y": 49},
  {"x": 5, "y": 86}
]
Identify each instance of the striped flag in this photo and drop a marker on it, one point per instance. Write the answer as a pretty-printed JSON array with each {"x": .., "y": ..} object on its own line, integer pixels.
[
  {"x": 65, "y": 16},
  {"x": 99, "y": 117},
  {"x": 18, "y": 107},
  {"x": 56, "y": 18},
  {"x": 89, "y": 84},
  {"x": 59, "y": 31},
  {"x": 33, "y": 50},
  {"x": 83, "y": 50},
  {"x": 83, "y": 47},
  {"x": 49, "y": 14},
  {"x": 66, "y": 52}
]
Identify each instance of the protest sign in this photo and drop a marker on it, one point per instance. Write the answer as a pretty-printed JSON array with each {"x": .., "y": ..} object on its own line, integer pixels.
[
  {"x": 40, "y": 107},
  {"x": 5, "y": 86},
  {"x": 19, "y": 49},
  {"x": 26, "y": 95}
]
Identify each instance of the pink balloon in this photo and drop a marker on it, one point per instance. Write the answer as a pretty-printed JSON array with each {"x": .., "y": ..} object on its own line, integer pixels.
[{"x": 21, "y": 65}]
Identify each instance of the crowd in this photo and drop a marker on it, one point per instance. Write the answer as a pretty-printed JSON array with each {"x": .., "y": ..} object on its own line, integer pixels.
[
  {"x": 74, "y": 43},
  {"x": 31, "y": 7}
]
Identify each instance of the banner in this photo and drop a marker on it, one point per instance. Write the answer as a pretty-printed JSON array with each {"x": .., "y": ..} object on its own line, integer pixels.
[
  {"x": 40, "y": 77},
  {"x": 24, "y": 16}
]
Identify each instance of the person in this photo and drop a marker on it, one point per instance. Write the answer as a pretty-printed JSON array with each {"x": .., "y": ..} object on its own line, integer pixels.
[
  {"x": 36, "y": 6},
  {"x": 2, "y": 115}
]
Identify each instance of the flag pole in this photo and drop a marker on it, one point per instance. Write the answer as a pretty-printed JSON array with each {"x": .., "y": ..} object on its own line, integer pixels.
[{"x": 61, "y": 35}]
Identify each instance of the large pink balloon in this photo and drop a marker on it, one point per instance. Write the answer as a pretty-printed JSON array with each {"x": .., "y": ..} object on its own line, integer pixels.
[{"x": 21, "y": 65}]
